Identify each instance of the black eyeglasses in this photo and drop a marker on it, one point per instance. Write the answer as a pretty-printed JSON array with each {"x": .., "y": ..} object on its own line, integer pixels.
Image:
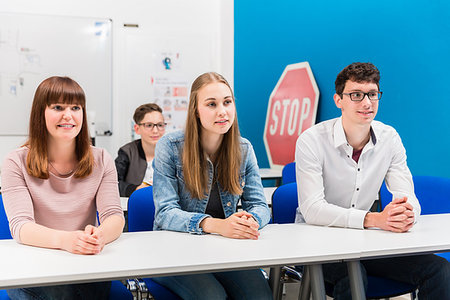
[
  {"x": 359, "y": 96},
  {"x": 150, "y": 126}
]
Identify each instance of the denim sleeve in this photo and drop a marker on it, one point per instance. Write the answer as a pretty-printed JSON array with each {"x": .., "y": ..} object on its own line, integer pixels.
[
  {"x": 168, "y": 213},
  {"x": 253, "y": 198}
]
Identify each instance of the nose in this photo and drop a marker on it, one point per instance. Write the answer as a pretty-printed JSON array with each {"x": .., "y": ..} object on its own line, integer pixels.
[
  {"x": 366, "y": 101},
  {"x": 67, "y": 114},
  {"x": 221, "y": 110}
]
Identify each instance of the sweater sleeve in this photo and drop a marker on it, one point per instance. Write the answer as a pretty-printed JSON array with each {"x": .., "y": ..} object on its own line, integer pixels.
[
  {"x": 107, "y": 198},
  {"x": 16, "y": 197}
]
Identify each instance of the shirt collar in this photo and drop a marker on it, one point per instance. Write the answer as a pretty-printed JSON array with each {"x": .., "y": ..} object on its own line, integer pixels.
[
  {"x": 339, "y": 134},
  {"x": 340, "y": 138}
]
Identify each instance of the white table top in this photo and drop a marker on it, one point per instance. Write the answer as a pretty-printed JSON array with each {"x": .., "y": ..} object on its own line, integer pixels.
[
  {"x": 161, "y": 253},
  {"x": 164, "y": 253},
  {"x": 267, "y": 173},
  {"x": 430, "y": 234},
  {"x": 268, "y": 191}
]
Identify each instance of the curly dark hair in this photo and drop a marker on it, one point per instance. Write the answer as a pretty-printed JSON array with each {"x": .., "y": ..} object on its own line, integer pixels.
[{"x": 358, "y": 72}]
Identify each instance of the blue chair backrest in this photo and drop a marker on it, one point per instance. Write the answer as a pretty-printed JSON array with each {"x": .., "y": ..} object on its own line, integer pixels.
[
  {"x": 141, "y": 214},
  {"x": 288, "y": 173},
  {"x": 4, "y": 225},
  {"x": 285, "y": 203},
  {"x": 141, "y": 210},
  {"x": 433, "y": 194}
]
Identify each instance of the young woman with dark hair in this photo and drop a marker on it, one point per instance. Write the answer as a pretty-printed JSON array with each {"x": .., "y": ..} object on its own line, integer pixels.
[{"x": 55, "y": 184}]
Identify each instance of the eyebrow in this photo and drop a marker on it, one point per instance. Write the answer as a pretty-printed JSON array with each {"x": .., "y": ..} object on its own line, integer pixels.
[
  {"x": 214, "y": 99},
  {"x": 359, "y": 90}
]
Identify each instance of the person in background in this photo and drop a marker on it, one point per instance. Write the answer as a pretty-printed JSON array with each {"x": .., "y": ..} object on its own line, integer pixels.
[
  {"x": 134, "y": 160},
  {"x": 341, "y": 164},
  {"x": 199, "y": 177},
  {"x": 55, "y": 184}
]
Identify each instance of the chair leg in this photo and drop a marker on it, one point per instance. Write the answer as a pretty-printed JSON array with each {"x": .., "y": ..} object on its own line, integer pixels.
[{"x": 305, "y": 285}]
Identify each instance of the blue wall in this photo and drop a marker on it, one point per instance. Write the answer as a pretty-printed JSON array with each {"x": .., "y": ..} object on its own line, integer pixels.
[{"x": 409, "y": 41}]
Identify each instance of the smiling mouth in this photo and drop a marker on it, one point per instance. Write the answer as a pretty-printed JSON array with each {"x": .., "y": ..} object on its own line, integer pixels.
[
  {"x": 222, "y": 121},
  {"x": 66, "y": 126},
  {"x": 366, "y": 112}
]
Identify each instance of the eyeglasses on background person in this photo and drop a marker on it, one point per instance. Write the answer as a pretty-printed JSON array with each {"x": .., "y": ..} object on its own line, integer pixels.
[{"x": 150, "y": 126}]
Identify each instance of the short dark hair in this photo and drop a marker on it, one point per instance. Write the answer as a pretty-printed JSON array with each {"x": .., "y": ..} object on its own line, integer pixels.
[
  {"x": 142, "y": 110},
  {"x": 358, "y": 72}
]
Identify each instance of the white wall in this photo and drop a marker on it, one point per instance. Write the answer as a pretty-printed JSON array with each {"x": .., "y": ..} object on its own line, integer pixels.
[{"x": 211, "y": 17}]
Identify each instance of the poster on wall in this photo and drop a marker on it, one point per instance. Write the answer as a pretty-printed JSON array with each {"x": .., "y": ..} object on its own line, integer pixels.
[
  {"x": 161, "y": 67},
  {"x": 171, "y": 95}
]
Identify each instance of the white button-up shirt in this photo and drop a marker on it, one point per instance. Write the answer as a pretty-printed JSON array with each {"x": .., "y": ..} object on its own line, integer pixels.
[{"x": 334, "y": 190}]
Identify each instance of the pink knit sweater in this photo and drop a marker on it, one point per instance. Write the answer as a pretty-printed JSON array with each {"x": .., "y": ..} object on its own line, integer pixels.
[{"x": 59, "y": 203}]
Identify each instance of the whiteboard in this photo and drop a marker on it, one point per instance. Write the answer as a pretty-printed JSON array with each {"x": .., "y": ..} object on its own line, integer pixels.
[{"x": 35, "y": 47}]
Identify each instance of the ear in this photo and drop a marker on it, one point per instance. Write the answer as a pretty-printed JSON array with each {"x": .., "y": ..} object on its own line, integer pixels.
[
  {"x": 337, "y": 100},
  {"x": 137, "y": 129}
]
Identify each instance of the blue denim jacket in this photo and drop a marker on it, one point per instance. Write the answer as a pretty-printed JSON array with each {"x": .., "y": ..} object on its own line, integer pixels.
[{"x": 176, "y": 209}]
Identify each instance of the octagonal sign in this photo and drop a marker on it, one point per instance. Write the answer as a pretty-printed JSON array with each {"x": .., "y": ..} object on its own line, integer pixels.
[{"x": 291, "y": 110}]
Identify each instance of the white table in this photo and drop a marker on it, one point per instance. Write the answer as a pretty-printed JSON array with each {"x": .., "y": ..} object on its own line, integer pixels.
[
  {"x": 430, "y": 234},
  {"x": 160, "y": 253},
  {"x": 268, "y": 191},
  {"x": 268, "y": 174}
]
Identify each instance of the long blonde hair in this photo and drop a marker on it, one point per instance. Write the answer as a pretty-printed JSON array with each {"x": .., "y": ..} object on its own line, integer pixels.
[
  {"x": 228, "y": 156},
  {"x": 56, "y": 90}
]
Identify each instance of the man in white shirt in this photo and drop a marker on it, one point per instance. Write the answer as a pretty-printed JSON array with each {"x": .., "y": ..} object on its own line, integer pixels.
[{"x": 341, "y": 164}]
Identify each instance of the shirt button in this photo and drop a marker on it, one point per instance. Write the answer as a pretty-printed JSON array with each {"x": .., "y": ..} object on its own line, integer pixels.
[
  {"x": 348, "y": 156},
  {"x": 243, "y": 183},
  {"x": 228, "y": 203},
  {"x": 357, "y": 189},
  {"x": 353, "y": 205},
  {"x": 359, "y": 169}
]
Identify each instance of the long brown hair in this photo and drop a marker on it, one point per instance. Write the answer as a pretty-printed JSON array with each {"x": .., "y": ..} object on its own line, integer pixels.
[
  {"x": 51, "y": 91},
  {"x": 228, "y": 156}
]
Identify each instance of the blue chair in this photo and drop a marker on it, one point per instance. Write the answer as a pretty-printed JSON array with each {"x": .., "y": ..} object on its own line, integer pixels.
[
  {"x": 433, "y": 194},
  {"x": 288, "y": 173},
  {"x": 141, "y": 214},
  {"x": 4, "y": 235},
  {"x": 284, "y": 205},
  {"x": 118, "y": 290}
]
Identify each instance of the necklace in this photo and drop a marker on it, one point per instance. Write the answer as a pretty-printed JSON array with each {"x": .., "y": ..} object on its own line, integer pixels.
[{"x": 58, "y": 173}]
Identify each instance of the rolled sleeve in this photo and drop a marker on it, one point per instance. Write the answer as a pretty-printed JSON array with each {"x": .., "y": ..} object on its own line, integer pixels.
[
  {"x": 16, "y": 197},
  {"x": 399, "y": 178},
  {"x": 107, "y": 198},
  {"x": 254, "y": 200},
  {"x": 169, "y": 215}
]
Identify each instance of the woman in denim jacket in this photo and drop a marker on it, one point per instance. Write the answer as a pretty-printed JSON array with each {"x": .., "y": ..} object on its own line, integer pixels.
[{"x": 199, "y": 177}]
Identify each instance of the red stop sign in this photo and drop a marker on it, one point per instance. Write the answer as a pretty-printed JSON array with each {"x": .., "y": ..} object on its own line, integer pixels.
[{"x": 292, "y": 109}]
